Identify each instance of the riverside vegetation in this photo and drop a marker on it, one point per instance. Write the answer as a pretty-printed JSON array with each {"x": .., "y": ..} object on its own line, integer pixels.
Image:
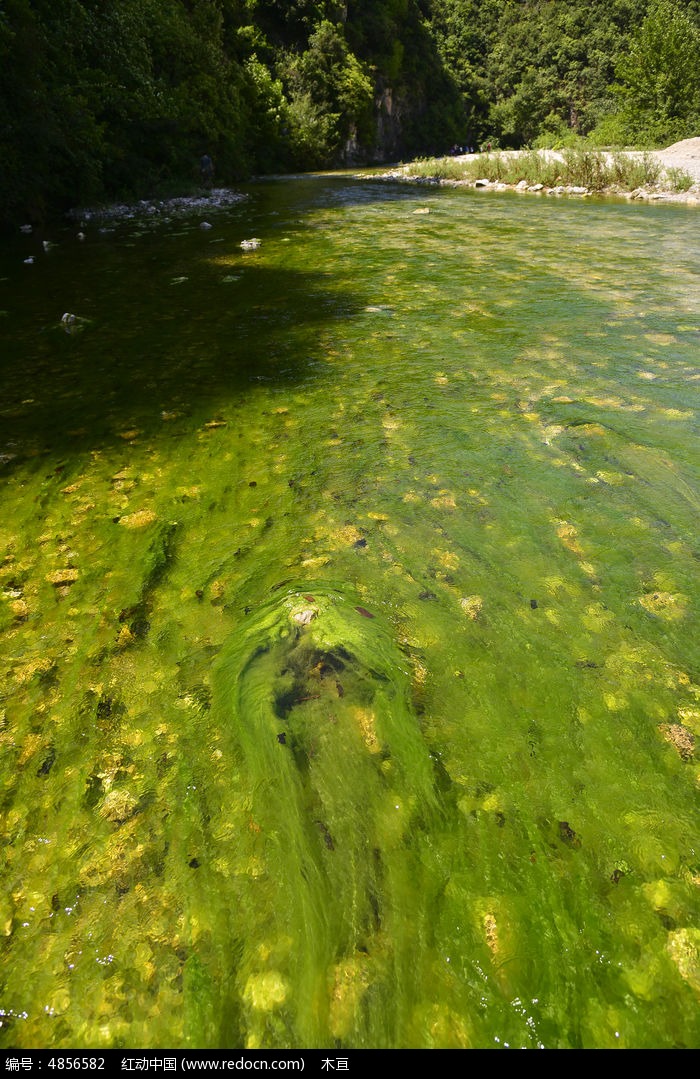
[
  {"x": 590, "y": 169},
  {"x": 122, "y": 99}
]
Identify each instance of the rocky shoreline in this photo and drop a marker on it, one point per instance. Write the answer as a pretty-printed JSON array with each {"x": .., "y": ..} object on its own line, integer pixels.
[
  {"x": 218, "y": 198},
  {"x": 656, "y": 194}
]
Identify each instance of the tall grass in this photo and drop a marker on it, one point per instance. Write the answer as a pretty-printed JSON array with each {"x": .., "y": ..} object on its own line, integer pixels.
[{"x": 573, "y": 167}]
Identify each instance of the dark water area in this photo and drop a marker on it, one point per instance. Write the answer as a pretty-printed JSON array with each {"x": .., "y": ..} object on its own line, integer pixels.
[{"x": 349, "y": 606}]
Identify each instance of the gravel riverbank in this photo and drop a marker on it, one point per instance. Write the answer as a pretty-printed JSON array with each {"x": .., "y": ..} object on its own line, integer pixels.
[{"x": 683, "y": 156}]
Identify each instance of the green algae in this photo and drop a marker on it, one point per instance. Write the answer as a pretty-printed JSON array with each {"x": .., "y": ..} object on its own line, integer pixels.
[
  {"x": 339, "y": 785},
  {"x": 476, "y": 425}
]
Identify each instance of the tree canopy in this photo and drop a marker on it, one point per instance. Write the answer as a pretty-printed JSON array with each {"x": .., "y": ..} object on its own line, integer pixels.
[{"x": 98, "y": 100}]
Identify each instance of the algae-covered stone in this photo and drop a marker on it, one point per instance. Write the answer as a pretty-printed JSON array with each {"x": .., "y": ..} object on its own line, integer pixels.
[
  {"x": 266, "y": 991},
  {"x": 346, "y": 535},
  {"x": 6, "y": 916},
  {"x": 125, "y": 637},
  {"x": 472, "y": 606},
  {"x": 684, "y": 948},
  {"x": 447, "y": 559},
  {"x": 118, "y": 806},
  {"x": 568, "y": 535},
  {"x": 351, "y": 979},
  {"x": 63, "y": 576},
  {"x": 670, "y": 606},
  {"x": 366, "y": 721},
  {"x": 682, "y": 740},
  {"x": 315, "y": 562},
  {"x": 139, "y": 519},
  {"x": 20, "y": 609},
  {"x": 444, "y": 500}
]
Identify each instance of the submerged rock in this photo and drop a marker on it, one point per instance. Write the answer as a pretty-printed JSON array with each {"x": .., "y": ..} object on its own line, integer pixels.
[
  {"x": 63, "y": 577},
  {"x": 139, "y": 519},
  {"x": 682, "y": 740},
  {"x": 118, "y": 806},
  {"x": 305, "y": 616},
  {"x": 472, "y": 606},
  {"x": 684, "y": 949},
  {"x": 670, "y": 606},
  {"x": 333, "y": 690},
  {"x": 265, "y": 991},
  {"x": 71, "y": 323}
]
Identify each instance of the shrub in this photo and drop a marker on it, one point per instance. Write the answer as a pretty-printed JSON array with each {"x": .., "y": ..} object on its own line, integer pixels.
[{"x": 679, "y": 179}]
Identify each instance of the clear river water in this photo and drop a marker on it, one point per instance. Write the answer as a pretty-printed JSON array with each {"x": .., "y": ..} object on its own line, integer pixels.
[{"x": 349, "y": 610}]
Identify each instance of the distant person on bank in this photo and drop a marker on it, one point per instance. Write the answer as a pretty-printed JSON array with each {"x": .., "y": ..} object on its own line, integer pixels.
[{"x": 206, "y": 170}]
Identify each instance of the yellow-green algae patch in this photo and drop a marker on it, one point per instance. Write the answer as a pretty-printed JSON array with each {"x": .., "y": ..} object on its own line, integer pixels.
[{"x": 315, "y": 700}]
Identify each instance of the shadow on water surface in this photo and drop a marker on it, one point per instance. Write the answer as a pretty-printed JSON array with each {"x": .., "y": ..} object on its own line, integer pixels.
[
  {"x": 172, "y": 318},
  {"x": 148, "y": 352}
]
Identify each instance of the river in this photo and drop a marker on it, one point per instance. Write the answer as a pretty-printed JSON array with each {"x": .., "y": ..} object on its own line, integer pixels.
[{"x": 349, "y": 610}]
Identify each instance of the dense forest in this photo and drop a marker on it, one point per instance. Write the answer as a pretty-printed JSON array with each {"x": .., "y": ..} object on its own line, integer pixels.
[{"x": 120, "y": 98}]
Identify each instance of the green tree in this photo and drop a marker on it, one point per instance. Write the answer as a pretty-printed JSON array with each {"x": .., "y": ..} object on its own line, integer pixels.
[
  {"x": 551, "y": 65},
  {"x": 465, "y": 32},
  {"x": 659, "y": 79},
  {"x": 331, "y": 96},
  {"x": 50, "y": 137}
]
